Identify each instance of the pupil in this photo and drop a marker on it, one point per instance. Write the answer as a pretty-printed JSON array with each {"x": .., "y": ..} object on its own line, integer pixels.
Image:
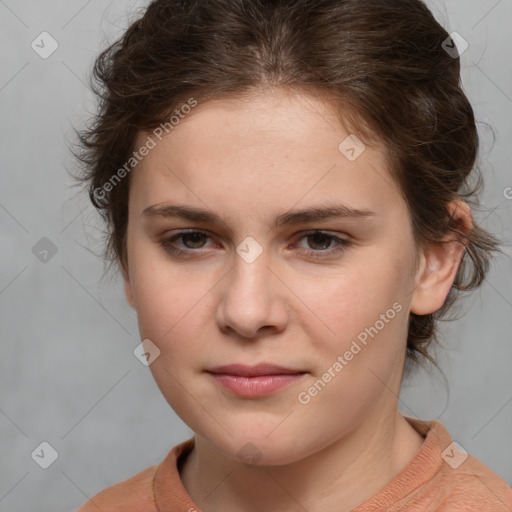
[
  {"x": 196, "y": 237},
  {"x": 321, "y": 236}
]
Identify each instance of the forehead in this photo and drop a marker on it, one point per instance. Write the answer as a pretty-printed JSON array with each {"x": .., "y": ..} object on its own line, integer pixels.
[{"x": 269, "y": 148}]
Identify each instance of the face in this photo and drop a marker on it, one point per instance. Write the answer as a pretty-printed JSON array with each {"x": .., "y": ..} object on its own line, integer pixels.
[{"x": 253, "y": 284}]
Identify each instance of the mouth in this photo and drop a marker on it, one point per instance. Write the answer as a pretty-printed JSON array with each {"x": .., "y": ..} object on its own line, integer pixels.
[
  {"x": 254, "y": 371},
  {"x": 255, "y": 381}
]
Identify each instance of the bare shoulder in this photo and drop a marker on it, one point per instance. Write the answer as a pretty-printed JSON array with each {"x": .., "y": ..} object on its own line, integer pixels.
[{"x": 126, "y": 496}]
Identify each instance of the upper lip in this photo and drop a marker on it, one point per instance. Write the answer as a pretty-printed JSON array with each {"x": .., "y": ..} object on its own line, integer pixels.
[{"x": 254, "y": 371}]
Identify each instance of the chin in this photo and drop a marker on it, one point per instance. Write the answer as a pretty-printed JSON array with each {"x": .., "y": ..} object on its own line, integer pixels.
[{"x": 258, "y": 449}]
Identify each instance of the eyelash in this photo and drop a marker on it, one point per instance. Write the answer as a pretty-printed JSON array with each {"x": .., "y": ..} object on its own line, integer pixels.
[{"x": 342, "y": 244}]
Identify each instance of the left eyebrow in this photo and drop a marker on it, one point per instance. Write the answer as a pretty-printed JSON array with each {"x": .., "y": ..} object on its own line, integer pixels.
[
  {"x": 315, "y": 214},
  {"x": 292, "y": 217}
]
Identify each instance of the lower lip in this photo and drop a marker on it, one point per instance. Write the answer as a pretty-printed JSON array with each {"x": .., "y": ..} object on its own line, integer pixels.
[{"x": 261, "y": 385}]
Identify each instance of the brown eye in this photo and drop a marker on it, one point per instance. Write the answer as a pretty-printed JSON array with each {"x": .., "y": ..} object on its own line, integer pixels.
[
  {"x": 319, "y": 239},
  {"x": 192, "y": 242},
  {"x": 196, "y": 237},
  {"x": 319, "y": 244}
]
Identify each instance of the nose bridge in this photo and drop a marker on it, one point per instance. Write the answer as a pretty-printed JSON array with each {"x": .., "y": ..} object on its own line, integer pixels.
[
  {"x": 251, "y": 275},
  {"x": 250, "y": 302}
]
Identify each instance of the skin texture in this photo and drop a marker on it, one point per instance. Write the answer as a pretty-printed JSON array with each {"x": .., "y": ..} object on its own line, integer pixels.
[{"x": 248, "y": 161}]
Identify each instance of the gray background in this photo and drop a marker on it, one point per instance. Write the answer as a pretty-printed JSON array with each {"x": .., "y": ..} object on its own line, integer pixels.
[{"x": 68, "y": 375}]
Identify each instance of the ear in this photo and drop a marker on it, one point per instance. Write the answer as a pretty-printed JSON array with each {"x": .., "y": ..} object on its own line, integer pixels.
[
  {"x": 127, "y": 285},
  {"x": 440, "y": 262}
]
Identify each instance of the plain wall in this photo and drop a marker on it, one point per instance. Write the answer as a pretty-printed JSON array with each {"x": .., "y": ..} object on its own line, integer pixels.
[{"x": 68, "y": 375}]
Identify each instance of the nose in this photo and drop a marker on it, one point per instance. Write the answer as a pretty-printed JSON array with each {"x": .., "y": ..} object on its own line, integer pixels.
[{"x": 254, "y": 299}]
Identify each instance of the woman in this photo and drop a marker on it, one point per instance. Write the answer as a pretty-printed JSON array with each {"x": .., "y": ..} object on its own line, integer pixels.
[{"x": 286, "y": 188}]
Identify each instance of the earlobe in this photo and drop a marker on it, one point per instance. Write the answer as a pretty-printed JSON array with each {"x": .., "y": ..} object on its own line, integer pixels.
[{"x": 440, "y": 263}]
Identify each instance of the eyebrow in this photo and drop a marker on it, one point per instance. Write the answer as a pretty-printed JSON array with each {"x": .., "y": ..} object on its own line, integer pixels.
[{"x": 291, "y": 217}]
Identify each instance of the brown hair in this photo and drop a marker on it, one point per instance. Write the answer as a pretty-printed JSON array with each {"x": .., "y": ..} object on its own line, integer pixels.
[{"x": 381, "y": 64}]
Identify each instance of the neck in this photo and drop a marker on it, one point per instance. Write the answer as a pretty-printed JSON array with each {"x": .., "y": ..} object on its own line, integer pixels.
[{"x": 340, "y": 477}]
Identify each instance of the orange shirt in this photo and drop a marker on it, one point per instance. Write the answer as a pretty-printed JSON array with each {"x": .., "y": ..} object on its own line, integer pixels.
[{"x": 440, "y": 478}]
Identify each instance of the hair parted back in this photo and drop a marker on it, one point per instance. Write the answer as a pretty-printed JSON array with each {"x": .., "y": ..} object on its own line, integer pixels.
[{"x": 379, "y": 63}]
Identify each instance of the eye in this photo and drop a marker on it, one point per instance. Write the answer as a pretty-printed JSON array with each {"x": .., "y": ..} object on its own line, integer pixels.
[
  {"x": 321, "y": 240},
  {"x": 196, "y": 238},
  {"x": 192, "y": 240}
]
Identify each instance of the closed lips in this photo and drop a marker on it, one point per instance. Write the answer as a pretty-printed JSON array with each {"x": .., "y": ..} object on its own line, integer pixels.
[{"x": 254, "y": 371}]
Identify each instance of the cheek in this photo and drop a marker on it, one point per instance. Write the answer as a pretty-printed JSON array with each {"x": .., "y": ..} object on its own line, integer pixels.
[
  {"x": 364, "y": 321},
  {"x": 350, "y": 302},
  {"x": 161, "y": 298}
]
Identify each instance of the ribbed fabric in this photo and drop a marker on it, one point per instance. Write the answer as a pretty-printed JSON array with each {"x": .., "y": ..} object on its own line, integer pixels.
[
  {"x": 431, "y": 483},
  {"x": 434, "y": 481}
]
